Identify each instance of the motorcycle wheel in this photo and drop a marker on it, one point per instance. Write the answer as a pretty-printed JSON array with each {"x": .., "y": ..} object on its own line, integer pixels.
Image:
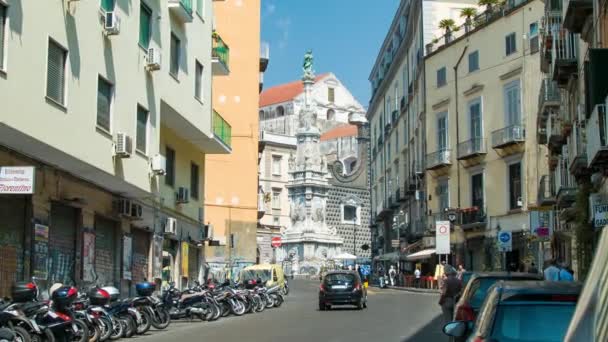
[
  {"x": 21, "y": 335},
  {"x": 94, "y": 333},
  {"x": 269, "y": 302},
  {"x": 130, "y": 328},
  {"x": 217, "y": 312},
  {"x": 105, "y": 326},
  {"x": 225, "y": 309},
  {"x": 160, "y": 318},
  {"x": 261, "y": 305},
  {"x": 278, "y": 301},
  {"x": 146, "y": 322},
  {"x": 237, "y": 307},
  {"x": 82, "y": 335},
  {"x": 45, "y": 336},
  {"x": 117, "y": 329}
]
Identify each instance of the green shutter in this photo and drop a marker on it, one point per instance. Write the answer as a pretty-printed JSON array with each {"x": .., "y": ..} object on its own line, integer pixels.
[
  {"x": 2, "y": 28},
  {"x": 107, "y": 5},
  {"x": 55, "y": 79},
  {"x": 142, "y": 129},
  {"x": 199, "y": 7},
  {"x": 104, "y": 100},
  {"x": 145, "y": 16}
]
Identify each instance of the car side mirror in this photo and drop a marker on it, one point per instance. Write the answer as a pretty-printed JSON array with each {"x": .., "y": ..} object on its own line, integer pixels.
[{"x": 455, "y": 329}]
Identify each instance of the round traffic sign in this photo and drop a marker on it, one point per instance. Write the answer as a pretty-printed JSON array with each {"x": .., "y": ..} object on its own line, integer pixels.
[
  {"x": 504, "y": 237},
  {"x": 276, "y": 241}
]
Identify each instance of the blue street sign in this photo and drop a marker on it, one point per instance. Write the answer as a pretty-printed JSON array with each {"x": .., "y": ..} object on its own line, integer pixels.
[{"x": 505, "y": 242}]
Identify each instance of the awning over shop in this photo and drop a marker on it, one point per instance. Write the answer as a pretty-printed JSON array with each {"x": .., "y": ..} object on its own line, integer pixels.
[
  {"x": 423, "y": 254},
  {"x": 393, "y": 256}
]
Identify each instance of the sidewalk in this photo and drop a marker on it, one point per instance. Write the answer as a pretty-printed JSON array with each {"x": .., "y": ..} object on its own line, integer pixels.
[{"x": 409, "y": 289}]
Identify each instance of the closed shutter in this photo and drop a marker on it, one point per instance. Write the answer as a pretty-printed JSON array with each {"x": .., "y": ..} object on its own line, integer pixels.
[
  {"x": 2, "y": 29},
  {"x": 105, "y": 250},
  {"x": 141, "y": 248},
  {"x": 55, "y": 79},
  {"x": 107, "y": 5},
  {"x": 145, "y": 15},
  {"x": 12, "y": 226},
  {"x": 104, "y": 100},
  {"x": 62, "y": 244},
  {"x": 193, "y": 263}
]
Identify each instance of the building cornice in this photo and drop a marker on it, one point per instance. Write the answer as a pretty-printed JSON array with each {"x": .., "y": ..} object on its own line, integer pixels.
[
  {"x": 511, "y": 73},
  {"x": 442, "y": 103},
  {"x": 475, "y": 88}
]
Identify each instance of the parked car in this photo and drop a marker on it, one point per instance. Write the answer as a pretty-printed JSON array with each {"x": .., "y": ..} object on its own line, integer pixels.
[
  {"x": 466, "y": 277},
  {"x": 271, "y": 274},
  {"x": 342, "y": 288},
  {"x": 537, "y": 311},
  {"x": 474, "y": 293}
]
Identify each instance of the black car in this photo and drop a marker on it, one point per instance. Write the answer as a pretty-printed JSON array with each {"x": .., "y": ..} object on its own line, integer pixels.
[
  {"x": 342, "y": 288},
  {"x": 521, "y": 311}
]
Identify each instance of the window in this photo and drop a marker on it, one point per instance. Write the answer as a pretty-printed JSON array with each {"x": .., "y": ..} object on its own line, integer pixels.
[
  {"x": 441, "y": 77},
  {"x": 510, "y": 44},
  {"x": 349, "y": 214},
  {"x": 170, "y": 172},
  {"x": 331, "y": 115},
  {"x": 276, "y": 165},
  {"x": 276, "y": 221},
  {"x": 104, "y": 103},
  {"x": 475, "y": 128},
  {"x": 474, "y": 61},
  {"x": 276, "y": 198},
  {"x": 198, "y": 81},
  {"x": 175, "y": 52},
  {"x": 443, "y": 194},
  {"x": 200, "y": 8},
  {"x": 2, "y": 33},
  {"x": 194, "y": 180},
  {"x": 515, "y": 200},
  {"x": 280, "y": 111},
  {"x": 145, "y": 23},
  {"x": 55, "y": 73},
  {"x": 142, "y": 129},
  {"x": 477, "y": 191},
  {"x": 512, "y": 103},
  {"x": 331, "y": 94},
  {"x": 534, "y": 43},
  {"x": 442, "y": 131},
  {"x": 107, "y": 5}
]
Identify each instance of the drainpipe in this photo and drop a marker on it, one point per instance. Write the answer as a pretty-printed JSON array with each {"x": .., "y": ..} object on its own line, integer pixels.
[{"x": 458, "y": 119}]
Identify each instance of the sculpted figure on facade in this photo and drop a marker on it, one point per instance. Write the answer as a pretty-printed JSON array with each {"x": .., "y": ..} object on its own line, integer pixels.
[{"x": 292, "y": 162}]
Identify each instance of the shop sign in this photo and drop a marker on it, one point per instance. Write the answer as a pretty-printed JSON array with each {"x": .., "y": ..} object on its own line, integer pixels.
[
  {"x": 600, "y": 215},
  {"x": 17, "y": 180},
  {"x": 442, "y": 237},
  {"x": 185, "y": 259}
]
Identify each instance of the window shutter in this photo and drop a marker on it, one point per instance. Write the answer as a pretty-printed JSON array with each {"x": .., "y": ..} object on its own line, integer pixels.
[
  {"x": 142, "y": 128},
  {"x": 144, "y": 25},
  {"x": 104, "y": 99},
  {"x": 198, "y": 81},
  {"x": 55, "y": 81},
  {"x": 107, "y": 5},
  {"x": 2, "y": 28}
]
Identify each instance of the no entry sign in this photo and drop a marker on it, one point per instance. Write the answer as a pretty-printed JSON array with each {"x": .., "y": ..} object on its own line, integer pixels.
[
  {"x": 442, "y": 237},
  {"x": 275, "y": 241}
]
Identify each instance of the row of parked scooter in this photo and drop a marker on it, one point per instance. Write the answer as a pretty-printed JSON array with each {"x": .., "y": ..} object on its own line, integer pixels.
[{"x": 99, "y": 314}]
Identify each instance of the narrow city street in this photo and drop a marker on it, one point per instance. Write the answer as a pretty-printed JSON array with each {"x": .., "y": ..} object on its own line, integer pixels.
[{"x": 391, "y": 316}]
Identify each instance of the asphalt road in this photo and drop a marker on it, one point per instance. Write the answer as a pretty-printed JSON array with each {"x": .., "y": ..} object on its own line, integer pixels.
[{"x": 391, "y": 316}]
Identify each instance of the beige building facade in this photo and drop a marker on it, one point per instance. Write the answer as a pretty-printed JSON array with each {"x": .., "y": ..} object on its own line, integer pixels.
[{"x": 483, "y": 160}]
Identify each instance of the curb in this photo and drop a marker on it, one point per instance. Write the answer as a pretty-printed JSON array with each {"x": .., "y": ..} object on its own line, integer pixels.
[{"x": 410, "y": 289}]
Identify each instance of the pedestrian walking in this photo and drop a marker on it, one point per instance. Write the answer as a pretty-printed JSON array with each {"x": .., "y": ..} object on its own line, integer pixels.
[
  {"x": 417, "y": 277},
  {"x": 391, "y": 274},
  {"x": 551, "y": 273},
  {"x": 439, "y": 274},
  {"x": 532, "y": 269},
  {"x": 451, "y": 287},
  {"x": 461, "y": 271}
]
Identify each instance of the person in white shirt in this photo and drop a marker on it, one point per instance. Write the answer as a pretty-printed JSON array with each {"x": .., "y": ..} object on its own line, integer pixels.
[
  {"x": 417, "y": 275},
  {"x": 392, "y": 273}
]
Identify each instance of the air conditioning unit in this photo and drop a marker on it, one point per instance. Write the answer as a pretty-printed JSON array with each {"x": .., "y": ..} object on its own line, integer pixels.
[
  {"x": 153, "y": 59},
  {"x": 123, "y": 146},
  {"x": 170, "y": 226},
  {"x": 111, "y": 23},
  {"x": 182, "y": 195},
  {"x": 137, "y": 211},
  {"x": 123, "y": 207},
  {"x": 158, "y": 164}
]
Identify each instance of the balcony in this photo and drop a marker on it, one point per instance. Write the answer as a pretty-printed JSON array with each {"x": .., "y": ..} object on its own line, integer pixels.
[
  {"x": 563, "y": 51},
  {"x": 472, "y": 151},
  {"x": 597, "y": 138},
  {"x": 220, "y": 56},
  {"x": 439, "y": 160},
  {"x": 261, "y": 204},
  {"x": 474, "y": 217},
  {"x": 264, "y": 56},
  {"x": 412, "y": 184},
  {"x": 181, "y": 9},
  {"x": 509, "y": 140},
  {"x": 566, "y": 188},
  {"x": 546, "y": 191},
  {"x": 577, "y": 153},
  {"x": 222, "y": 130},
  {"x": 576, "y": 14},
  {"x": 548, "y": 102},
  {"x": 555, "y": 139},
  {"x": 394, "y": 117}
]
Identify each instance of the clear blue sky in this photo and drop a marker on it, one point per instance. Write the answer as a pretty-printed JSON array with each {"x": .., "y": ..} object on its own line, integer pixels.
[{"x": 345, "y": 36}]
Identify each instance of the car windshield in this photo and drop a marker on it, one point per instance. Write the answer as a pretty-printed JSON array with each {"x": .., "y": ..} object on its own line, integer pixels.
[
  {"x": 255, "y": 274},
  {"x": 339, "y": 279},
  {"x": 532, "y": 322}
]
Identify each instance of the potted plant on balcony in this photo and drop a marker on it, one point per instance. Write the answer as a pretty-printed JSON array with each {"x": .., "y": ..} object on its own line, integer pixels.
[
  {"x": 448, "y": 26},
  {"x": 566, "y": 128},
  {"x": 489, "y": 6},
  {"x": 468, "y": 13}
]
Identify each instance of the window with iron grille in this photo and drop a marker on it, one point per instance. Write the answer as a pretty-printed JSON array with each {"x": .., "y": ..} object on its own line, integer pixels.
[
  {"x": 104, "y": 103},
  {"x": 55, "y": 77},
  {"x": 515, "y": 200}
]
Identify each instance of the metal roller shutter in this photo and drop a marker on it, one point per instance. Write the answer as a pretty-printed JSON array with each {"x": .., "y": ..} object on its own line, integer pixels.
[
  {"x": 12, "y": 227},
  {"x": 106, "y": 251},
  {"x": 62, "y": 244}
]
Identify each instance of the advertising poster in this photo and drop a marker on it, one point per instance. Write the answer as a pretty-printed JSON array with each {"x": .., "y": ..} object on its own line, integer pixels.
[
  {"x": 185, "y": 257},
  {"x": 88, "y": 256},
  {"x": 127, "y": 257},
  {"x": 41, "y": 251},
  {"x": 158, "y": 256}
]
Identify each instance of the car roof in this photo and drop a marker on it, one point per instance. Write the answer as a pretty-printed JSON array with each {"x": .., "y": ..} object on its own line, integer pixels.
[
  {"x": 341, "y": 272},
  {"x": 545, "y": 287},
  {"x": 506, "y": 275},
  {"x": 261, "y": 267}
]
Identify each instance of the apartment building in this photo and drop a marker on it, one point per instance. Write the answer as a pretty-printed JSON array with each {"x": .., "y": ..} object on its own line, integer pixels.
[
  {"x": 231, "y": 193},
  {"x": 483, "y": 160},
  {"x": 572, "y": 124},
  {"x": 105, "y": 123},
  {"x": 396, "y": 115}
]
